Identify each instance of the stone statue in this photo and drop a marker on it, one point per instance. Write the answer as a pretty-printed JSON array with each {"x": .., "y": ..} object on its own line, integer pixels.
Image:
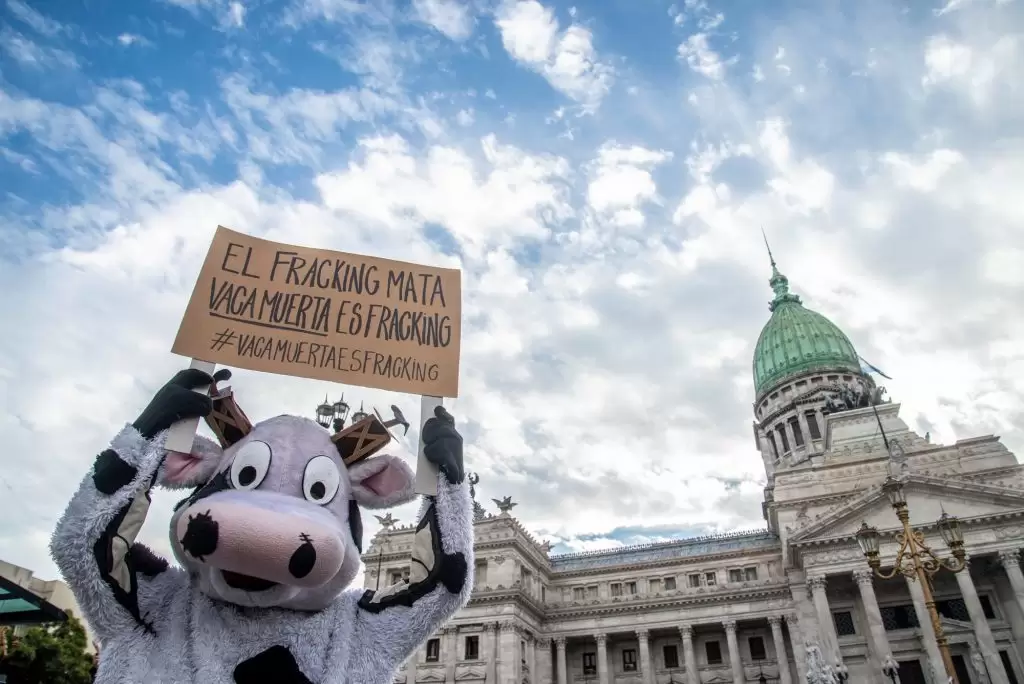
[
  {"x": 386, "y": 521},
  {"x": 478, "y": 511},
  {"x": 504, "y": 505},
  {"x": 849, "y": 397},
  {"x": 978, "y": 663},
  {"x": 818, "y": 669}
]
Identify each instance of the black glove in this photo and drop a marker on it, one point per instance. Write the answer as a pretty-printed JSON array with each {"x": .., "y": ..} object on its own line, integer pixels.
[
  {"x": 442, "y": 445},
  {"x": 176, "y": 401}
]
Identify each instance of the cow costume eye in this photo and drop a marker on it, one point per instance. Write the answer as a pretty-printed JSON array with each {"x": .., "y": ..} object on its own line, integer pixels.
[
  {"x": 250, "y": 465},
  {"x": 320, "y": 481}
]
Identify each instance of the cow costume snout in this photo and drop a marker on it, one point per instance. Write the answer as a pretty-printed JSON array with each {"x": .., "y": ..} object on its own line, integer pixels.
[{"x": 262, "y": 535}]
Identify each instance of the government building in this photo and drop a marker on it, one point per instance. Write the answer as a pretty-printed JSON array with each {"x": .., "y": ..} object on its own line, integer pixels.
[{"x": 843, "y": 472}]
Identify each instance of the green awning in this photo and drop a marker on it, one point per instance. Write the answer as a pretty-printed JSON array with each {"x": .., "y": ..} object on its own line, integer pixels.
[{"x": 19, "y": 606}]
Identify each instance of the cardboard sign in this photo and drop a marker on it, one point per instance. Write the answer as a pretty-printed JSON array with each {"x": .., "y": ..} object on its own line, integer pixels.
[{"x": 326, "y": 315}]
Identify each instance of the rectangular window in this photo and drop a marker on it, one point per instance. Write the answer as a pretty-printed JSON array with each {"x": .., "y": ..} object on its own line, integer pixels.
[
  {"x": 693, "y": 581},
  {"x": 579, "y": 593},
  {"x": 654, "y": 586},
  {"x": 480, "y": 573},
  {"x": 433, "y": 650},
  {"x": 775, "y": 446},
  {"x": 713, "y": 651},
  {"x": 472, "y": 647},
  {"x": 756, "y": 645},
  {"x": 844, "y": 623},
  {"x": 543, "y": 594},
  {"x": 630, "y": 587},
  {"x": 709, "y": 579},
  {"x": 671, "y": 654},
  {"x": 592, "y": 592},
  {"x": 898, "y": 617},
  {"x": 812, "y": 424},
  {"x": 616, "y": 588},
  {"x": 785, "y": 440},
  {"x": 670, "y": 583},
  {"x": 750, "y": 574},
  {"x": 986, "y": 607},
  {"x": 522, "y": 651},
  {"x": 736, "y": 575},
  {"x": 628, "y": 660},
  {"x": 798, "y": 434},
  {"x": 1011, "y": 676},
  {"x": 589, "y": 663}
]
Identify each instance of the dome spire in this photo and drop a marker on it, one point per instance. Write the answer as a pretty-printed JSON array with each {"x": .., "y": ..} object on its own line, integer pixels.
[{"x": 779, "y": 282}]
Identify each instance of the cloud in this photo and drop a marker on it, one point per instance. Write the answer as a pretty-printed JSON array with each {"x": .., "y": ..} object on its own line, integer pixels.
[
  {"x": 31, "y": 54},
  {"x": 40, "y": 23},
  {"x": 567, "y": 59},
  {"x": 450, "y": 17},
  {"x": 614, "y": 279},
  {"x": 129, "y": 39}
]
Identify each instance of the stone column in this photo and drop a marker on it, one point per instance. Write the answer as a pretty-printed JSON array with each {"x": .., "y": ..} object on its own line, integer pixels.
[
  {"x": 799, "y": 650},
  {"x": 531, "y": 657},
  {"x": 781, "y": 655},
  {"x": 735, "y": 662},
  {"x": 826, "y": 625},
  {"x": 563, "y": 665},
  {"x": 542, "y": 661},
  {"x": 508, "y": 654},
  {"x": 1010, "y": 560},
  {"x": 602, "y": 658},
  {"x": 689, "y": 658},
  {"x": 451, "y": 655},
  {"x": 801, "y": 420},
  {"x": 410, "y": 667},
  {"x": 646, "y": 668},
  {"x": 490, "y": 653},
  {"x": 986, "y": 642},
  {"x": 879, "y": 642},
  {"x": 931, "y": 647}
]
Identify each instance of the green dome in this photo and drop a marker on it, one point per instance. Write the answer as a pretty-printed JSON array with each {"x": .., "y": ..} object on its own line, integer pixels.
[{"x": 797, "y": 340}]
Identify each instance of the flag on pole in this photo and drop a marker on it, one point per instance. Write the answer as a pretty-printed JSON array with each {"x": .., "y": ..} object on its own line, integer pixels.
[{"x": 868, "y": 368}]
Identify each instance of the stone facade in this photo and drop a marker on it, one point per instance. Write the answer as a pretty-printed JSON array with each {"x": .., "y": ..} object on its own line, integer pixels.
[{"x": 732, "y": 608}]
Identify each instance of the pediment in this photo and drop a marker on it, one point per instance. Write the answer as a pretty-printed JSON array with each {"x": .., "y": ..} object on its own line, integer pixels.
[{"x": 927, "y": 499}]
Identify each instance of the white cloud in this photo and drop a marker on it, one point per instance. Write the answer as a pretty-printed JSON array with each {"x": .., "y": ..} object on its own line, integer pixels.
[
  {"x": 567, "y": 59},
  {"x": 621, "y": 181},
  {"x": 450, "y": 17},
  {"x": 38, "y": 22},
  {"x": 701, "y": 58},
  {"x": 29, "y": 53}
]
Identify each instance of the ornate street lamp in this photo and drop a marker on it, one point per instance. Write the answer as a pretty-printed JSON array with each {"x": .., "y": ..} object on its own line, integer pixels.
[
  {"x": 890, "y": 668},
  {"x": 325, "y": 413},
  {"x": 916, "y": 560},
  {"x": 359, "y": 415}
]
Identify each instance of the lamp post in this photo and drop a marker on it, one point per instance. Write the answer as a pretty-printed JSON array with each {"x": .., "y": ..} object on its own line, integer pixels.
[{"x": 915, "y": 560}]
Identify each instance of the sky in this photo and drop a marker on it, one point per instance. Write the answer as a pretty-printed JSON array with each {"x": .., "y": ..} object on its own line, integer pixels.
[{"x": 600, "y": 172}]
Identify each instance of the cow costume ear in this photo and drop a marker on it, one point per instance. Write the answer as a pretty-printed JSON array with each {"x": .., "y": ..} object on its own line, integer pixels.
[
  {"x": 381, "y": 482},
  {"x": 182, "y": 471}
]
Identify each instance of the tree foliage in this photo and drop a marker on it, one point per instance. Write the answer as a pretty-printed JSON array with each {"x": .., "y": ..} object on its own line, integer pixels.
[{"x": 50, "y": 655}]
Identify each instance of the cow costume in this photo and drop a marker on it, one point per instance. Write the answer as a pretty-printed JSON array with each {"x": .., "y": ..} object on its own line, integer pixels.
[{"x": 268, "y": 540}]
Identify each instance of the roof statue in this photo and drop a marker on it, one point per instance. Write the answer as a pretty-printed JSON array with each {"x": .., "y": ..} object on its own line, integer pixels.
[
  {"x": 505, "y": 505},
  {"x": 853, "y": 397},
  {"x": 797, "y": 340},
  {"x": 386, "y": 521},
  {"x": 478, "y": 511}
]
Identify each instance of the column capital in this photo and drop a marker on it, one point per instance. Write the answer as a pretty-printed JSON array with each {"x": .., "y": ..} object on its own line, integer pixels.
[
  {"x": 864, "y": 576},
  {"x": 816, "y": 582},
  {"x": 775, "y": 621},
  {"x": 601, "y": 639},
  {"x": 730, "y": 625},
  {"x": 560, "y": 642},
  {"x": 544, "y": 642},
  {"x": 686, "y": 630},
  {"x": 508, "y": 626},
  {"x": 489, "y": 626},
  {"x": 793, "y": 618},
  {"x": 450, "y": 629},
  {"x": 1009, "y": 557}
]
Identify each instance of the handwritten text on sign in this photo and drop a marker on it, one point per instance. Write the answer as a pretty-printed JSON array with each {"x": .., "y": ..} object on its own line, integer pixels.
[{"x": 326, "y": 315}]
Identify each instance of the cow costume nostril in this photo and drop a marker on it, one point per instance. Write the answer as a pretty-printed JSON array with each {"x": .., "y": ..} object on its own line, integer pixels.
[
  {"x": 200, "y": 538},
  {"x": 304, "y": 559}
]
